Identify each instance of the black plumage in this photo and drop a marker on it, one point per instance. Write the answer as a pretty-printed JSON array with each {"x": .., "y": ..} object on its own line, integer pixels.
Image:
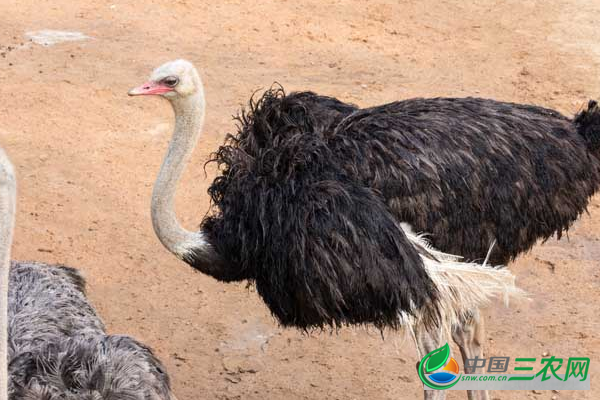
[
  {"x": 321, "y": 247},
  {"x": 470, "y": 171},
  {"x": 313, "y": 190}
]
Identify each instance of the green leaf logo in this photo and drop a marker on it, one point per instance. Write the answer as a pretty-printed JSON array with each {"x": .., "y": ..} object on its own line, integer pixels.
[
  {"x": 434, "y": 361},
  {"x": 437, "y": 358}
]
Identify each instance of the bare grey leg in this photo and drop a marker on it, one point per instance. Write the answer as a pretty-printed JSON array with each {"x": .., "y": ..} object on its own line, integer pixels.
[
  {"x": 427, "y": 342},
  {"x": 469, "y": 336}
]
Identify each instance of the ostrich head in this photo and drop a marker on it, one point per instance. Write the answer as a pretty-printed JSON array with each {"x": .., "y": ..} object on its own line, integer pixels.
[{"x": 172, "y": 80}]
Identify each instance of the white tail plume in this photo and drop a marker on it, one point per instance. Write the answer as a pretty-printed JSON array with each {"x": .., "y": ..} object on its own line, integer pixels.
[{"x": 462, "y": 286}]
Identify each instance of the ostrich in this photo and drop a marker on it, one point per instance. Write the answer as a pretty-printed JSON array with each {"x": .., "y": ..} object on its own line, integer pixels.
[
  {"x": 316, "y": 237},
  {"x": 57, "y": 347}
]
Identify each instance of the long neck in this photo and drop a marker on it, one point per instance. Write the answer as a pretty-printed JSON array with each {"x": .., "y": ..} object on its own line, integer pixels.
[
  {"x": 7, "y": 219},
  {"x": 187, "y": 245}
]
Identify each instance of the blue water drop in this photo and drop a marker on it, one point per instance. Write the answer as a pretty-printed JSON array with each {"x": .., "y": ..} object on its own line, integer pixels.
[{"x": 442, "y": 377}]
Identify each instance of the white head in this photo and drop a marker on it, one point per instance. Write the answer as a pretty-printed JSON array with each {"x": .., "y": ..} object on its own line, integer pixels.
[{"x": 173, "y": 80}]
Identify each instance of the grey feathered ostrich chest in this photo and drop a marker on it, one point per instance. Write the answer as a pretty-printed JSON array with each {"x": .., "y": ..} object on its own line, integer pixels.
[{"x": 58, "y": 348}]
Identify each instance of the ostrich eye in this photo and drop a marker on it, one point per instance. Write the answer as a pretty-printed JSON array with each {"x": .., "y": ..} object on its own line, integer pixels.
[{"x": 171, "y": 81}]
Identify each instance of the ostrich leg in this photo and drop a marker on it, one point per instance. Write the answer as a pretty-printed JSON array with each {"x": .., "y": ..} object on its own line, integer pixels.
[
  {"x": 426, "y": 342},
  {"x": 469, "y": 336}
]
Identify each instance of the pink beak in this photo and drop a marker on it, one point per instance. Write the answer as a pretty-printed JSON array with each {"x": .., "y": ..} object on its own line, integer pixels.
[{"x": 149, "y": 88}]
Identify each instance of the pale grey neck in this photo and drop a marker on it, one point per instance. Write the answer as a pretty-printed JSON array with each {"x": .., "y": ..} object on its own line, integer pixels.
[
  {"x": 8, "y": 194},
  {"x": 189, "y": 119}
]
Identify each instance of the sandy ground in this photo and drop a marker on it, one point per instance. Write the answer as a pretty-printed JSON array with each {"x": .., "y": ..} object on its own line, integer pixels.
[{"x": 86, "y": 157}]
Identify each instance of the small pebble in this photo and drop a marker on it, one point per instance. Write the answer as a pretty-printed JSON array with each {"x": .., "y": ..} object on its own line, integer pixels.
[{"x": 545, "y": 354}]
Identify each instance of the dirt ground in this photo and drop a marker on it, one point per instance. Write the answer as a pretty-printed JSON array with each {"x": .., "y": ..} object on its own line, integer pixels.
[{"x": 87, "y": 155}]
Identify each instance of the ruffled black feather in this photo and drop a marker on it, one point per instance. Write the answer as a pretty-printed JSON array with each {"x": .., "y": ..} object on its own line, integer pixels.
[{"x": 321, "y": 248}]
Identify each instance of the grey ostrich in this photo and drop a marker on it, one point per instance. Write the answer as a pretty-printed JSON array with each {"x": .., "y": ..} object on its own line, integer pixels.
[
  {"x": 319, "y": 241},
  {"x": 57, "y": 345}
]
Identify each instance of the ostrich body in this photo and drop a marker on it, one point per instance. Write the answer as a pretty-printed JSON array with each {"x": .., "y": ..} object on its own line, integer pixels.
[
  {"x": 468, "y": 171},
  {"x": 320, "y": 243},
  {"x": 57, "y": 346}
]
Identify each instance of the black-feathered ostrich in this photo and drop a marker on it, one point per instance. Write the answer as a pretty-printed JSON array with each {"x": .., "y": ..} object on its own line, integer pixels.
[
  {"x": 303, "y": 211},
  {"x": 56, "y": 347}
]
